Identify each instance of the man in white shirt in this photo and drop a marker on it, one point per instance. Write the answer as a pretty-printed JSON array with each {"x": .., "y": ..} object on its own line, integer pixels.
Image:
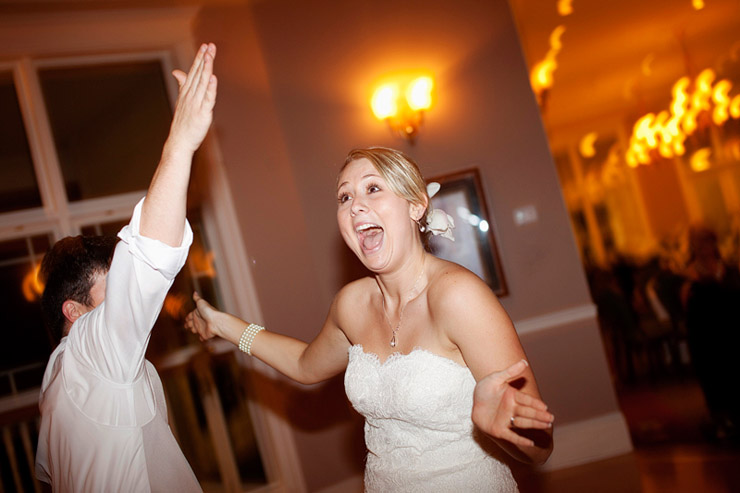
[{"x": 103, "y": 415}]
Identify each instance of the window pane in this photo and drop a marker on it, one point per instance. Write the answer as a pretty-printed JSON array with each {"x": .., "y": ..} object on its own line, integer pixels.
[
  {"x": 18, "y": 189},
  {"x": 109, "y": 124},
  {"x": 26, "y": 347}
]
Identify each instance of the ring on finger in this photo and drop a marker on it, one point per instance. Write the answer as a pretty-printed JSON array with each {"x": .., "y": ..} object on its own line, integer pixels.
[{"x": 511, "y": 420}]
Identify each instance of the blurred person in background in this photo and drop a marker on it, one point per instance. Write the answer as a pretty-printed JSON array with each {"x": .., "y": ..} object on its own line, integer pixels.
[{"x": 711, "y": 296}]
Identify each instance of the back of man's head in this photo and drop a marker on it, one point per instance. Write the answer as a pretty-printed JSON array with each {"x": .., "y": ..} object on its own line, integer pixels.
[{"x": 68, "y": 272}]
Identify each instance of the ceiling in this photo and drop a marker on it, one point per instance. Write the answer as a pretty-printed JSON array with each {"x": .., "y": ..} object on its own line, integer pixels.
[{"x": 620, "y": 59}]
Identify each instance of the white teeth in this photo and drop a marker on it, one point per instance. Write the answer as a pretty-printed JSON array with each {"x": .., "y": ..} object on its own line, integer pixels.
[{"x": 363, "y": 227}]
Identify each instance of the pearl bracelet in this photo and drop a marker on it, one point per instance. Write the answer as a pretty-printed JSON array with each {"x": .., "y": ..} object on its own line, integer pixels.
[{"x": 247, "y": 337}]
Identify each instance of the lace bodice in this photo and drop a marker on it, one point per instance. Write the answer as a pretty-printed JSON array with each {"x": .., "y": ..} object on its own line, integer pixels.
[{"x": 418, "y": 429}]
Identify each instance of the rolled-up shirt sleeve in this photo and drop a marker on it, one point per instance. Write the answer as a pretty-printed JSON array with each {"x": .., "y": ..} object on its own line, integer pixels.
[{"x": 112, "y": 339}]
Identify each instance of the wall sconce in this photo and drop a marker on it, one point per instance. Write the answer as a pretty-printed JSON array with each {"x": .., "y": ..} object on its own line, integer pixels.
[{"x": 402, "y": 104}]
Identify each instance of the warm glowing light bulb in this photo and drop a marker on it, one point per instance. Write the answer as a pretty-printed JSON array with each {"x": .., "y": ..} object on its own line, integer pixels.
[
  {"x": 555, "y": 44},
  {"x": 541, "y": 76},
  {"x": 697, "y": 4},
  {"x": 565, "y": 7},
  {"x": 586, "y": 147},
  {"x": 735, "y": 107},
  {"x": 383, "y": 102},
  {"x": 419, "y": 93},
  {"x": 699, "y": 161},
  {"x": 644, "y": 131},
  {"x": 678, "y": 148},
  {"x": 680, "y": 97},
  {"x": 32, "y": 287},
  {"x": 721, "y": 99}
]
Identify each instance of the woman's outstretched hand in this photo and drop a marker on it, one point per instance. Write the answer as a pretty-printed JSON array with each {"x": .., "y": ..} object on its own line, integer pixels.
[
  {"x": 203, "y": 320},
  {"x": 499, "y": 408}
]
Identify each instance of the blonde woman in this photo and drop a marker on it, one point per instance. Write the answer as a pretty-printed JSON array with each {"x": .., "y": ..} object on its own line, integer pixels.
[{"x": 429, "y": 353}]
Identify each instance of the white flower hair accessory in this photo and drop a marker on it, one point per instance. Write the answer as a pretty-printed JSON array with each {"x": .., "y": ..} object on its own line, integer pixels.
[{"x": 439, "y": 223}]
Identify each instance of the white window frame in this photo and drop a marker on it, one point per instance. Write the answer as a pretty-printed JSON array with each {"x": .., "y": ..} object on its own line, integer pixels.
[{"x": 60, "y": 39}]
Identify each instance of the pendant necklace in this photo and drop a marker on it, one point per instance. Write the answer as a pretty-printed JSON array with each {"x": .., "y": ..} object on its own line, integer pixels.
[{"x": 403, "y": 307}]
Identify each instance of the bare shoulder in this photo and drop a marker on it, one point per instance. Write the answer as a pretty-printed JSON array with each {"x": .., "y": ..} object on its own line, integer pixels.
[
  {"x": 356, "y": 291},
  {"x": 453, "y": 287},
  {"x": 349, "y": 298},
  {"x": 467, "y": 312}
]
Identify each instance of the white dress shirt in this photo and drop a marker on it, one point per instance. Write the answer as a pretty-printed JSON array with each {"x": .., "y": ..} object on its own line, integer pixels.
[{"x": 103, "y": 414}]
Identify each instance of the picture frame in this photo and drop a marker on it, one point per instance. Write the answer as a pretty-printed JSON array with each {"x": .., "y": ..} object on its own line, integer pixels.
[{"x": 461, "y": 196}]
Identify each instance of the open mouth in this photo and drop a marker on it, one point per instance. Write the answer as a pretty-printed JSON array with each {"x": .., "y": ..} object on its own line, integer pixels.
[{"x": 370, "y": 236}]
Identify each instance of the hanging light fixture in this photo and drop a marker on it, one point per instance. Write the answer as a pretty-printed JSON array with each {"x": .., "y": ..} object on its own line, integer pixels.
[
  {"x": 541, "y": 75},
  {"x": 664, "y": 134}
]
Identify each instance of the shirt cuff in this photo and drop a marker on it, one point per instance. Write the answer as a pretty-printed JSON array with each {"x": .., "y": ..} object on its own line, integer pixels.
[{"x": 159, "y": 256}]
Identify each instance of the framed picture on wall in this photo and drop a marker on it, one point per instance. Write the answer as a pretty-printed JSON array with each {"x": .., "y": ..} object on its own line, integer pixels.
[{"x": 461, "y": 196}]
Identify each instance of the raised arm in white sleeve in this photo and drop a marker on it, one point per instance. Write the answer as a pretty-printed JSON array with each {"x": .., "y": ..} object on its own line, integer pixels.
[{"x": 154, "y": 245}]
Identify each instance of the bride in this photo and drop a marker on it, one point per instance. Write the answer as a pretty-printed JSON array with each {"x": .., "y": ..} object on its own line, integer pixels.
[{"x": 431, "y": 358}]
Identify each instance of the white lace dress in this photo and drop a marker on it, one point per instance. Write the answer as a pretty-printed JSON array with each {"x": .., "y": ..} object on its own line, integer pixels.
[{"x": 418, "y": 430}]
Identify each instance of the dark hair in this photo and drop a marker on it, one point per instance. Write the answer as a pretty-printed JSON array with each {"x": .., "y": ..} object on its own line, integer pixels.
[{"x": 68, "y": 272}]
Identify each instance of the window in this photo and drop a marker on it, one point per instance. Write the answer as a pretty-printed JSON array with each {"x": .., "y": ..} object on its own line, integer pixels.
[
  {"x": 105, "y": 119},
  {"x": 27, "y": 346},
  {"x": 18, "y": 188}
]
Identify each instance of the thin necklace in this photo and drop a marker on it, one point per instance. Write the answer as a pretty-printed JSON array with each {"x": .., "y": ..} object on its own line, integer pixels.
[{"x": 412, "y": 295}]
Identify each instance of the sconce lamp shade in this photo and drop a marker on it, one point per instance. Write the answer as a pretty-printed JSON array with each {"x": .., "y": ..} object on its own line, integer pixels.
[
  {"x": 419, "y": 93},
  {"x": 384, "y": 101}
]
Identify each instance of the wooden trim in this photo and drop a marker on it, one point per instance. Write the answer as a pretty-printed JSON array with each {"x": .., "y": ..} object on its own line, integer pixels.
[
  {"x": 25, "y": 223},
  {"x": 556, "y": 319},
  {"x": 589, "y": 440},
  {"x": 104, "y": 209},
  {"x": 101, "y": 59},
  {"x": 41, "y": 143},
  {"x": 94, "y": 31}
]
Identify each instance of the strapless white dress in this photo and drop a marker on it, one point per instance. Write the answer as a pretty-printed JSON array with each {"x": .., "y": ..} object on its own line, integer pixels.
[{"x": 418, "y": 430}]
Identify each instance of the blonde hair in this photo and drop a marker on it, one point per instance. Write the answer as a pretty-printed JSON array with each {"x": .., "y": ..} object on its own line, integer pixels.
[{"x": 400, "y": 172}]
